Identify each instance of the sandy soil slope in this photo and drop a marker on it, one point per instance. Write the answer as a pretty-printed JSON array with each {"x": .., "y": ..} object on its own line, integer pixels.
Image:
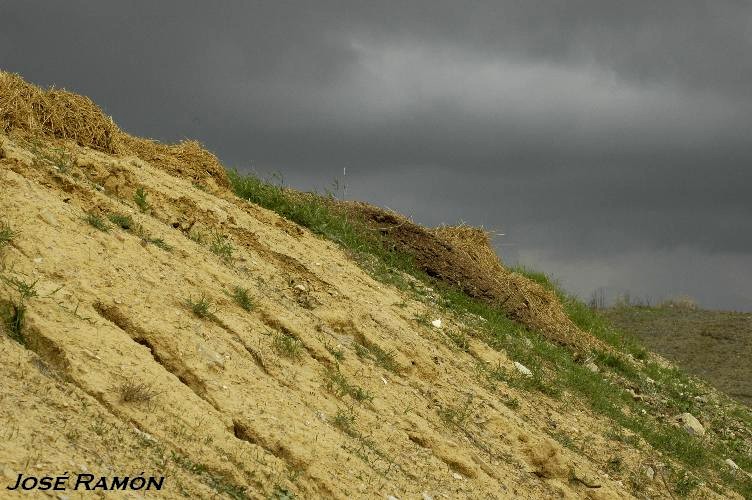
[{"x": 245, "y": 402}]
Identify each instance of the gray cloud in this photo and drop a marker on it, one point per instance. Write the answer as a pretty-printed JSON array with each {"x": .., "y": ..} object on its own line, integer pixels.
[{"x": 611, "y": 137}]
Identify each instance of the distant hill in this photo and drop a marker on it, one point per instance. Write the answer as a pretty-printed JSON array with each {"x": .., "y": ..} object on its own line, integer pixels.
[{"x": 715, "y": 345}]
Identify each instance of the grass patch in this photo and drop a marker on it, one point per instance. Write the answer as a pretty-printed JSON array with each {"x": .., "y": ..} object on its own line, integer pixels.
[
  {"x": 13, "y": 313},
  {"x": 287, "y": 346},
  {"x": 345, "y": 421},
  {"x": 336, "y": 383},
  {"x": 97, "y": 222},
  {"x": 201, "y": 307},
  {"x": 281, "y": 493},
  {"x": 158, "y": 242},
  {"x": 214, "y": 481},
  {"x": 338, "y": 354},
  {"x": 382, "y": 358},
  {"x": 222, "y": 247},
  {"x": 127, "y": 223},
  {"x": 121, "y": 220},
  {"x": 135, "y": 392},
  {"x": 457, "y": 416},
  {"x": 242, "y": 298},
  {"x": 140, "y": 198},
  {"x": 6, "y": 234}
]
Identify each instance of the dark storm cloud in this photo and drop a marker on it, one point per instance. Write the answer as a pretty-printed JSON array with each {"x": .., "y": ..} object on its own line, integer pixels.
[{"x": 595, "y": 134}]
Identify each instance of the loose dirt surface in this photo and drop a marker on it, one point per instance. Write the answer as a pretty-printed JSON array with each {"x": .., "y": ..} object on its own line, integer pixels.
[
  {"x": 228, "y": 408},
  {"x": 715, "y": 345}
]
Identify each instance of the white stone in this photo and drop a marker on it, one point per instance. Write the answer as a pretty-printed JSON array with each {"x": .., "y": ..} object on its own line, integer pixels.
[
  {"x": 592, "y": 367},
  {"x": 436, "y": 323},
  {"x": 731, "y": 464},
  {"x": 457, "y": 476},
  {"x": 211, "y": 357},
  {"x": 523, "y": 369},
  {"x": 650, "y": 473},
  {"x": 691, "y": 425}
]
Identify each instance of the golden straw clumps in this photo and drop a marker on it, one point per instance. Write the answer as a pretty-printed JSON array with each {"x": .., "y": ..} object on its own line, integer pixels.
[
  {"x": 65, "y": 115},
  {"x": 56, "y": 113}
]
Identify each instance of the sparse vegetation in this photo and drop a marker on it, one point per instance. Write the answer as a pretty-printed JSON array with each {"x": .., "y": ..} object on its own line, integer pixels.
[
  {"x": 127, "y": 223},
  {"x": 338, "y": 353},
  {"x": 6, "y": 234},
  {"x": 13, "y": 312},
  {"x": 555, "y": 369},
  {"x": 382, "y": 358},
  {"x": 281, "y": 493},
  {"x": 457, "y": 416},
  {"x": 97, "y": 222},
  {"x": 222, "y": 247},
  {"x": 201, "y": 307},
  {"x": 242, "y": 298},
  {"x": 121, "y": 220},
  {"x": 287, "y": 346},
  {"x": 345, "y": 421},
  {"x": 140, "y": 199},
  {"x": 59, "y": 158},
  {"x": 336, "y": 383},
  {"x": 158, "y": 242},
  {"x": 135, "y": 392}
]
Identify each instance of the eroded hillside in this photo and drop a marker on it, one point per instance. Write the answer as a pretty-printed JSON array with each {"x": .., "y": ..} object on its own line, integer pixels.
[{"x": 155, "y": 322}]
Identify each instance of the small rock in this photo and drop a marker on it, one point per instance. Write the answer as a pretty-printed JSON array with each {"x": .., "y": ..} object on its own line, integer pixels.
[
  {"x": 691, "y": 424},
  {"x": 650, "y": 473},
  {"x": 48, "y": 218},
  {"x": 426, "y": 496},
  {"x": 635, "y": 396},
  {"x": 457, "y": 476},
  {"x": 391, "y": 497},
  {"x": 211, "y": 357},
  {"x": 590, "y": 365},
  {"x": 436, "y": 323},
  {"x": 523, "y": 369},
  {"x": 731, "y": 464},
  {"x": 38, "y": 260},
  {"x": 302, "y": 288}
]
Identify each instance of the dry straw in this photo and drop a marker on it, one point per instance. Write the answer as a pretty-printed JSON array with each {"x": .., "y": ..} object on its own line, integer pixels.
[
  {"x": 55, "y": 113},
  {"x": 526, "y": 300},
  {"x": 65, "y": 115}
]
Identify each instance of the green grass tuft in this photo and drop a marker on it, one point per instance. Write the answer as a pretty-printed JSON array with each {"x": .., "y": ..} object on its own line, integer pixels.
[
  {"x": 96, "y": 221},
  {"x": 121, "y": 220},
  {"x": 13, "y": 313},
  {"x": 222, "y": 247},
  {"x": 336, "y": 383},
  {"x": 140, "y": 199},
  {"x": 202, "y": 308},
  {"x": 6, "y": 234},
  {"x": 242, "y": 298},
  {"x": 287, "y": 346}
]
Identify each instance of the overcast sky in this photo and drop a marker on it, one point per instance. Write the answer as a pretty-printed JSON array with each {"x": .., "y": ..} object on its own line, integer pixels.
[{"x": 610, "y": 141}]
